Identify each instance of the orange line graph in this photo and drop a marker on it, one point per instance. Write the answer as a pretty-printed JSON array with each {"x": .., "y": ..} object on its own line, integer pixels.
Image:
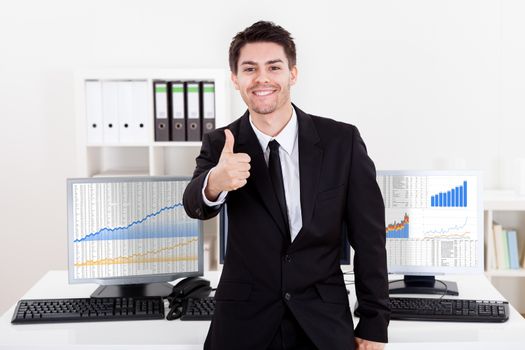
[{"x": 140, "y": 258}]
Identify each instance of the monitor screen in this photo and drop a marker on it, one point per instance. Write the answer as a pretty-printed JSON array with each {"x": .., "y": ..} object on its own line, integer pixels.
[
  {"x": 433, "y": 221},
  {"x": 223, "y": 239},
  {"x": 131, "y": 230}
]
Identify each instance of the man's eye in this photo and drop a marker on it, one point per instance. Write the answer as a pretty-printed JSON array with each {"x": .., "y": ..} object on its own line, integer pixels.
[
  {"x": 248, "y": 69},
  {"x": 275, "y": 68}
]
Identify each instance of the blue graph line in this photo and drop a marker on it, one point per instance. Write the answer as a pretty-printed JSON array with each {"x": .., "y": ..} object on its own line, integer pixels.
[
  {"x": 449, "y": 229},
  {"x": 108, "y": 229}
]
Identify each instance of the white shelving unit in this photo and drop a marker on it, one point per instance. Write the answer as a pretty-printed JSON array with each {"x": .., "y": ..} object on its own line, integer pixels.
[
  {"x": 144, "y": 158},
  {"x": 150, "y": 158},
  {"x": 508, "y": 209}
]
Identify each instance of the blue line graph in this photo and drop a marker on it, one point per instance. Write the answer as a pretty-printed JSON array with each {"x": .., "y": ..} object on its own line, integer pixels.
[
  {"x": 147, "y": 227},
  {"x": 447, "y": 230}
]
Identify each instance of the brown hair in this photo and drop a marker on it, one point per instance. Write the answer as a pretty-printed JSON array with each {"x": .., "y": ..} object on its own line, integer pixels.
[{"x": 262, "y": 31}]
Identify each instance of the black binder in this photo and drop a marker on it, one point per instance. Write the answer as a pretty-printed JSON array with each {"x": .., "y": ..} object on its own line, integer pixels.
[
  {"x": 193, "y": 120},
  {"x": 177, "y": 107},
  {"x": 207, "y": 106},
  {"x": 160, "y": 95}
]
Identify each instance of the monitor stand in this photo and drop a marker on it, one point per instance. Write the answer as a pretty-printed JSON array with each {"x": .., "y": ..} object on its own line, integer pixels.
[
  {"x": 423, "y": 285},
  {"x": 133, "y": 290}
]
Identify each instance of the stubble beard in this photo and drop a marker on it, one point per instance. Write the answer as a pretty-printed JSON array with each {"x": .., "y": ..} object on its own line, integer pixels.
[{"x": 271, "y": 107}]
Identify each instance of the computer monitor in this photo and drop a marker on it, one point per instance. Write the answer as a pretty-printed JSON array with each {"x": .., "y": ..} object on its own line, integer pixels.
[
  {"x": 223, "y": 239},
  {"x": 130, "y": 234},
  {"x": 433, "y": 226}
]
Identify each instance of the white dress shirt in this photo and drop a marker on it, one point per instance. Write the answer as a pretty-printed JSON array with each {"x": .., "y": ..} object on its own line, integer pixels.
[{"x": 289, "y": 155}]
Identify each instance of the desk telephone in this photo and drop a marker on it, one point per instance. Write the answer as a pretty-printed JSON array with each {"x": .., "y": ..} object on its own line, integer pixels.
[{"x": 194, "y": 287}]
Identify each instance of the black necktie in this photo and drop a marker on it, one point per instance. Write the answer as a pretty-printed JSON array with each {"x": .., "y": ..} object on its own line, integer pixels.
[{"x": 276, "y": 175}]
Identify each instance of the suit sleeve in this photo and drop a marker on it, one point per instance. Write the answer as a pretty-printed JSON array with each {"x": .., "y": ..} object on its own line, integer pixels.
[
  {"x": 192, "y": 198},
  {"x": 366, "y": 234}
]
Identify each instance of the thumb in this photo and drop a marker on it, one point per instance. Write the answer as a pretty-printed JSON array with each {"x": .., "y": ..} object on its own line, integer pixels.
[{"x": 228, "y": 143}]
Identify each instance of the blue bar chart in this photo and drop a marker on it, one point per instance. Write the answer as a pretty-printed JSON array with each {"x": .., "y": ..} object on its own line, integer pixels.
[{"x": 455, "y": 197}]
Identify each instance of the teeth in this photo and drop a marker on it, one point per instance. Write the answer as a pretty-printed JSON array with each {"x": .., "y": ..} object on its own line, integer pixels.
[{"x": 262, "y": 93}]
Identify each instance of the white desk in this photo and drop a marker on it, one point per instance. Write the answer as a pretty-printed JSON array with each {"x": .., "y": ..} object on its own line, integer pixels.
[{"x": 162, "y": 334}]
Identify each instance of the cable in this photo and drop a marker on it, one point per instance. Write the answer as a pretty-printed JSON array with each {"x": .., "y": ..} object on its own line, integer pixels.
[
  {"x": 175, "y": 309},
  {"x": 446, "y": 288}
]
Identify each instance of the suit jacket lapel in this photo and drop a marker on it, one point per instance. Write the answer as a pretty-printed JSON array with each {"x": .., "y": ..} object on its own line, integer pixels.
[
  {"x": 310, "y": 163},
  {"x": 246, "y": 142}
]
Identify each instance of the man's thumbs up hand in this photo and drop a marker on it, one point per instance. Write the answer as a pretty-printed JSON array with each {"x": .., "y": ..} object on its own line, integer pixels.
[
  {"x": 229, "y": 142},
  {"x": 231, "y": 172}
]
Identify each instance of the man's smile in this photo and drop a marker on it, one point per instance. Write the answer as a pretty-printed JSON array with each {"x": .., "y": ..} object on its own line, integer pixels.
[{"x": 263, "y": 92}]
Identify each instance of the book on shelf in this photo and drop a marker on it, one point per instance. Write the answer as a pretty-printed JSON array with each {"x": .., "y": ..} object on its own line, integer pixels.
[
  {"x": 497, "y": 231},
  {"x": 512, "y": 239},
  {"x": 522, "y": 260},
  {"x": 506, "y": 248}
]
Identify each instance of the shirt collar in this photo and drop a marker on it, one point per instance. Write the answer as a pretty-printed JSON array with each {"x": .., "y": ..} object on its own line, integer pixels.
[{"x": 286, "y": 137}]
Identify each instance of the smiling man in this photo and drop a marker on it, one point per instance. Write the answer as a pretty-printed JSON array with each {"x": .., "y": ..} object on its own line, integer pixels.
[{"x": 290, "y": 180}]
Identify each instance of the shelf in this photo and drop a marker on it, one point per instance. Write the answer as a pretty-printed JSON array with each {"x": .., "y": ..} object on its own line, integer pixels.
[
  {"x": 117, "y": 145},
  {"x": 178, "y": 144},
  {"x": 503, "y": 200},
  {"x": 120, "y": 172},
  {"x": 98, "y": 158},
  {"x": 154, "y": 144},
  {"x": 153, "y": 74},
  {"x": 505, "y": 273}
]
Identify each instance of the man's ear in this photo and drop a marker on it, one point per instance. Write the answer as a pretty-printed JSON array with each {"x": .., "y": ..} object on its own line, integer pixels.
[
  {"x": 233, "y": 77},
  {"x": 293, "y": 75}
]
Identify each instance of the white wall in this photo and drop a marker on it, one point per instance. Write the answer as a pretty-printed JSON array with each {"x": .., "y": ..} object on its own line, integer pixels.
[{"x": 429, "y": 83}]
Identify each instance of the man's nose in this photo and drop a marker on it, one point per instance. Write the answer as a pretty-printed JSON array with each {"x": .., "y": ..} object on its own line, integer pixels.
[{"x": 262, "y": 77}]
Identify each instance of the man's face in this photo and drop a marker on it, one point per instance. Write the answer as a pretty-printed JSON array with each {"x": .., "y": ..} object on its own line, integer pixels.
[{"x": 263, "y": 77}]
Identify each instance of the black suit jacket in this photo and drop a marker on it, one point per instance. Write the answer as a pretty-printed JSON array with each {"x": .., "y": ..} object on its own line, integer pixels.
[{"x": 263, "y": 272}]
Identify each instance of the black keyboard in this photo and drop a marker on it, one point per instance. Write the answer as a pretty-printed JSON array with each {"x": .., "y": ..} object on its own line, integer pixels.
[
  {"x": 200, "y": 309},
  {"x": 451, "y": 310},
  {"x": 88, "y": 309}
]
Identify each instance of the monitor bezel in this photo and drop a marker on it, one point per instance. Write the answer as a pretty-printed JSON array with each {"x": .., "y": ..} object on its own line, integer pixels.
[
  {"x": 136, "y": 279},
  {"x": 436, "y": 270}
]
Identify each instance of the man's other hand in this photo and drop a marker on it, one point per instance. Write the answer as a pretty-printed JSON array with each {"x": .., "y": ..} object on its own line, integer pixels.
[{"x": 363, "y": 344}]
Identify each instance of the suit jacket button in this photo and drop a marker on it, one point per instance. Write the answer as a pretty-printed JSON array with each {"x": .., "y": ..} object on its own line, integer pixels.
[
  {"x": 199, "y": 211},
  {"x": 288, "y": 258},
  {"x": 287, "y": 296}
]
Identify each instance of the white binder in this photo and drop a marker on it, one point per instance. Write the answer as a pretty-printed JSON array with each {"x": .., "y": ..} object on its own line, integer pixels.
[
  {"x": 140, "y": 115},
  {"x": 95, "y": 127},
  {"x": 125, "y": 110},
  {"x": 110, "y": 111}
]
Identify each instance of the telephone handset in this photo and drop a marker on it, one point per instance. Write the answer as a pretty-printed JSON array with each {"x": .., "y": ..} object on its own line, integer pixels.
[{"x": 194, "y": 287}]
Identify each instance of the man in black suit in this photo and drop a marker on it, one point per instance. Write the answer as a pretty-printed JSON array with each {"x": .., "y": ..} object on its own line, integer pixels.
[{"x": 290, "y": 180}]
